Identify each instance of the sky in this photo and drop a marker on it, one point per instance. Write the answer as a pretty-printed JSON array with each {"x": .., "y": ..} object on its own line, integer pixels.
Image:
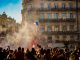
[{"x": 12, "y": 8}]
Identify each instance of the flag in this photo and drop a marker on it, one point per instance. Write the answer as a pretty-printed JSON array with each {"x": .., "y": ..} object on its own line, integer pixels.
[{"x": 37, "y": 23}]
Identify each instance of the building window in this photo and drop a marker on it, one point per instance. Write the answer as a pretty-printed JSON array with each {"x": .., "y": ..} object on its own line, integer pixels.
[
  {"x": 42, "y": 16},
  {"x": 42, "y": 6},
  {"x": 70, "y": 5},
  {"x": 71, "y": 15},
  {"x": 55, "y": 15},
  {"x": 42, "y": 29},
  {"x": 71, "y": 27},
  {"x": 49, "y": 16},
  {"x": 55, "y": 5},
  {"x": 71, "y": 37},
  {"x": 30, "y": 14},
  {"x": 49, "y": 6},
  {"x": 64, "y": 16},
  {"x": 64, "y": 37},
  {"x": 30, "y": 7},
  {"x": 56, "y": 37},
  {"x": 49, "y": 28},
  {"x": 63, "y": 5},
  {"x": 47, "y": 24},
  {"x": 64, "y": 28},
  {"x": 49, "y": 39},
  {"x": 56, "y": 28}
]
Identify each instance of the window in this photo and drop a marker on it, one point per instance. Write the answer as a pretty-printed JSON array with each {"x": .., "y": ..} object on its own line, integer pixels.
[
  {"x": 49, "y": 6},
  {"x": 63, "y": 15},
  {"x": 42, "y": 6},
  {"x": 42, "y": 29},
  {"x": 49, "y": 16},
  {"x": 56, "y": 28},
  {"x": 63, "y": 5},
  {"x": 64, "y": 28},
  {"x": 55, "y": 5},
  {"x": 71, "y": 27},
  {"x": 56, "y": 37},
  {"x": 71, "y": 37},
  {"x": 30, "y": 14},
  {"x": 64, "y": 37},
  {"x": 49, "y": 28},
  {"x": 47, "y": 24},
  {"x": 42, "y": 16},
  {"x": 70, "y": 5},
  {"x": 30, "y": 7},
  {"x": 71, "y": 15},
  {"x": 49, "y": 39},
  {"x": 55, "y": 15}
]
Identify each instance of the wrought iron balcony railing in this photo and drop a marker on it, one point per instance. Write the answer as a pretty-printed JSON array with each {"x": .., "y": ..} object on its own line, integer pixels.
[
  {"x": 67, "y": 42},
  {"x": 58, "y": 9},
  {"x": 57, "y": 20},
  {"x": 60, "y": 32},
  {"x": 60, "y": 0}
]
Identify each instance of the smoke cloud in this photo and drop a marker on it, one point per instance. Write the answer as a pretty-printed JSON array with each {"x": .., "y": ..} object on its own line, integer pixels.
[{"x": 26, "y": 36}]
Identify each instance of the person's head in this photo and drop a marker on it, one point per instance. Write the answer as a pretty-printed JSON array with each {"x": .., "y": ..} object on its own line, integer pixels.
[
  {"x": 0, "y": 49},
  {"x": 61, "y": 51},
  {"x": 19, "y": 49},
  {"x": 33, "y": 49},
  {"x": 22, "y": 49}
]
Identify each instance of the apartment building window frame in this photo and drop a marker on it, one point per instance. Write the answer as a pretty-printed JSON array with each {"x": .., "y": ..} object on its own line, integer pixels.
[
  {"x": 64, "y": 37},
  {"x": 56, "y": 27},
  {"x": 49, "y": 6},
  {"x": 42, "y": 28},
  {"x": 71, "y": 37},
  {"x": 70, "y": 5},
  {"x": 49, "y": 28},
  {"x": 49, "y": 39},
  {"x": 71, "y": 15},
  {"x": 64, "y": 28},
  {"x": 49, "y": 16},
  {"x": 56, "y": 5},
  {"x": 64, "y": 15},
  {"x": 63, "y": 5},
  {"x": 42, "y": 6},
  {"x": 30, "y": 6},
  {"x": 71, "y": 27},
  {"x": 57, "y": 37},
  {"x": 56, "y": 16},
  {"x": 42, "y": 16}
]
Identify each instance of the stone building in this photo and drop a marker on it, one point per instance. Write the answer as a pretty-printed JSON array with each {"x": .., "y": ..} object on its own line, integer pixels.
[
  {"x": 7, "y": 26},
  {"x": 59, "y": 20}
]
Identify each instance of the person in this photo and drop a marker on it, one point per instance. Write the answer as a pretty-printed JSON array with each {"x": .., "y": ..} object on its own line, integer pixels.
[
  {"x": 61, "y": 55},
  {"x": 30, "y": 55},
  {"x": 1, "y": 54},
  {"x": 47, "y": 55},
  {"x": 10, "y": 56},
  {"x": 19, "y": 54}
]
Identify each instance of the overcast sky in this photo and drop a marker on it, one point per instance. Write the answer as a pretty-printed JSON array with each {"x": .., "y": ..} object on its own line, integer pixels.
[{"x": 12, "y": 8}]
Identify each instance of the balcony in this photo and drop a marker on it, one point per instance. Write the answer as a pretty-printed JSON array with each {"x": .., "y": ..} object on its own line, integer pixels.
[
  {"x": 29, "y": 1},
  {"x": 57, "y": 20},
  {"x": 57, "y": 9},
  {"x": 60, "y": 0},
  {"x": 60, "y": 33},
  {"x": 67, "y": 42}
]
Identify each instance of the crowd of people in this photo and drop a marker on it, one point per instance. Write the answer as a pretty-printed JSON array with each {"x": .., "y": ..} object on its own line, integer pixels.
[{"x": 39, "y": 54}]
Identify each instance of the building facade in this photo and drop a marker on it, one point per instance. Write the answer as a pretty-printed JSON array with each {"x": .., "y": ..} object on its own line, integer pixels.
[
  {"x": 8, "y": 25},
  {"x": 58, "y": 20}
]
